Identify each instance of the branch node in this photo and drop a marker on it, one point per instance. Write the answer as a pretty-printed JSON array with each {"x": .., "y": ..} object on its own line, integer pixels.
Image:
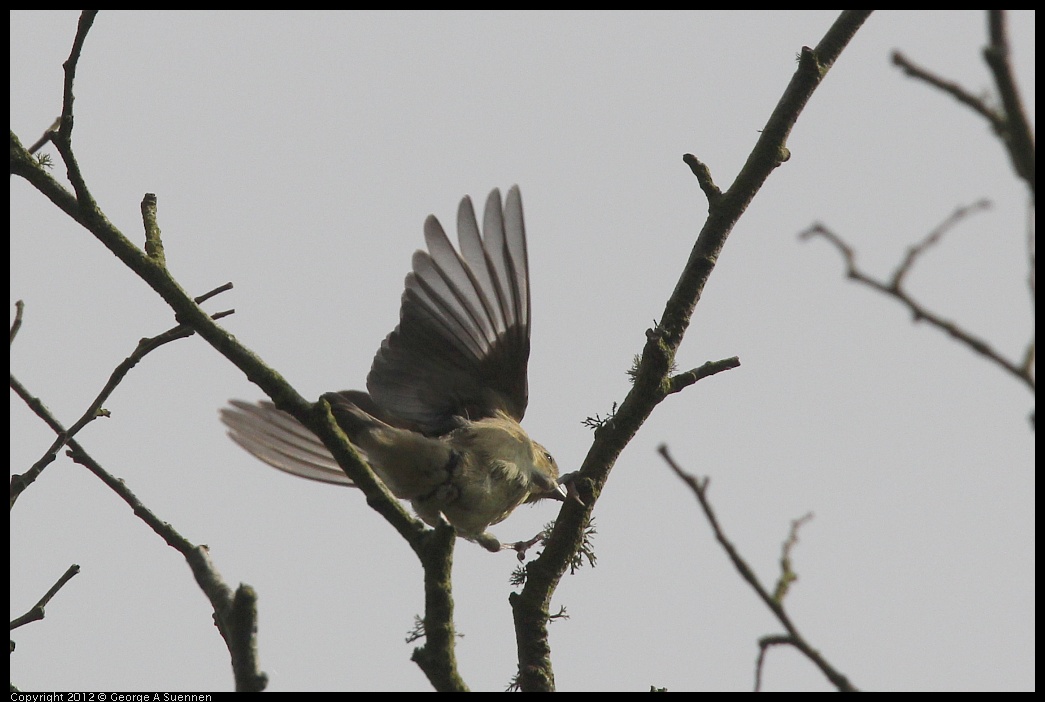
[
  {"x": 703, "y": 174},
  {"x": 153, "y": 242}
]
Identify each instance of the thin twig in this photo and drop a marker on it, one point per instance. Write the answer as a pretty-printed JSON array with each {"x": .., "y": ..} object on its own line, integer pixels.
[
  {"x": 1023, "y": 370},
  {"x": 955, "y": 90},
  {"x": 46, "y": 137},
  {"x": 235, "y": 612},
  {"x": 17, "y": 324},
  {"x": 1010, "y": 122},
  {"x": 96, "y": 408},
  {"x": 684, "y": 380},
  {"x": 776, "y": 606},
  {"x": 934, "y": 237},
  {"x": 36, "y": 612}
]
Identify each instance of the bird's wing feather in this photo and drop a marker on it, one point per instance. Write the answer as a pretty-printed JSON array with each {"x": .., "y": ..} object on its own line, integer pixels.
[
  {"x": 463, "y": 339},
  {"x": 278, "y": 439}
]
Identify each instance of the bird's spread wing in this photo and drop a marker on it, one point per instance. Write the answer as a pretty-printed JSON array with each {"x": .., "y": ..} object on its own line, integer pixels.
[
  {"x": 278, "y": 439},
  {"x": 463, "y": 339}
]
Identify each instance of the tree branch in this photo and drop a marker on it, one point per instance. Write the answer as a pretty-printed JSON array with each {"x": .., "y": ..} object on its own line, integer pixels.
[
  {"x": 437, "y": 657},
  {"x": 1018, "y": 134},
  {"x": 95, "y": 409},
  {"x": 1024, "y": 371},
  {"x": 652, "y": 379},
  {"x": 774, "y": 602},
  {"x": 1010, "y": 122},
  {"x": 36, "y": 612},
  {"x": 235, "y": 613}
]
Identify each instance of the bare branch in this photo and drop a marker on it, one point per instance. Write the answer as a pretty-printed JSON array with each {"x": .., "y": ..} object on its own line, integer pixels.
[
  {"x": 36, "y": 612},
  {"x": 17, "y": 324},
  {"x": 1023, "y": 370},
  {"x": 934, "y": 238},
  {"x": 1010, "y": 122},
  {"x": 232, "y": 609},
  {"x": 437, "y": 658},
  {"x": 153, "y": 242},
  {"x": 82, "y": 27},
  {"x": 200, "y": 299},
  {"x": 235, "y": 613},
  {"x": 775, "y": 604},
  {"x": 652, "y": 379},
  {"x": 955, "y": 90},
  {"x": 1013, "y": 128},
  {"x": 703, "y": 175},
  {"x": 96, "y": 408},
  {"x": 1018, "y": 134},
  {"x": 63, "y": 138},
  {"x": 46, "y": 137},
  {"x": 764, "y": 644},
  {"x": 684, "y": 380},
  {"x": 787, "y": 573}
]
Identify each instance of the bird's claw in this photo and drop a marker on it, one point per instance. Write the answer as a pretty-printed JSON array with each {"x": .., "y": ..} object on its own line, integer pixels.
[
  {"x": 520, "y": 547},
  {"x": 569, "y": 481}
]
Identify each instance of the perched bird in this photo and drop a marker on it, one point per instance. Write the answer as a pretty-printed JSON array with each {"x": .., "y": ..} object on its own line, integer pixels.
[{"x": 447, "y": 390}]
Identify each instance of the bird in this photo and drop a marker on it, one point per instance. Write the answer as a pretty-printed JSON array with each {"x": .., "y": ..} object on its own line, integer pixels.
[{"x": 439, "y": 422}]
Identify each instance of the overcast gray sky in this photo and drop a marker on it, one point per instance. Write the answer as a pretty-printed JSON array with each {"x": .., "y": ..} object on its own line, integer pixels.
[{"x": 297, "y": 155}]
